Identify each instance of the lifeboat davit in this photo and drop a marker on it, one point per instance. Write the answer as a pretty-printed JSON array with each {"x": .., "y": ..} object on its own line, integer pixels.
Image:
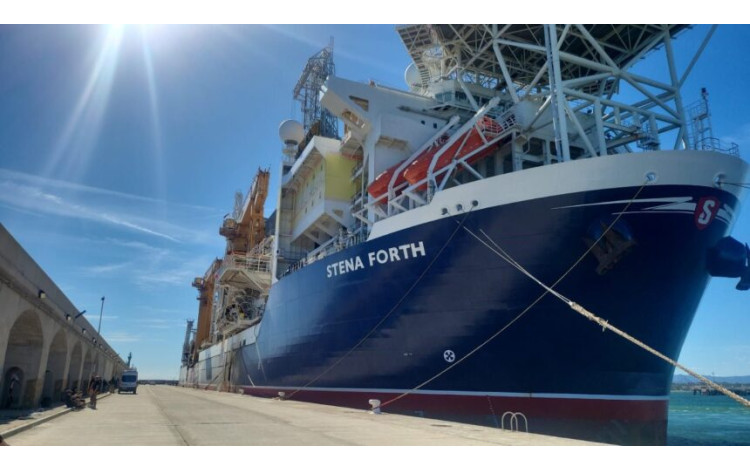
[
  {"x": 487, "y": 127},
  {"x": 380, "y": 185}
]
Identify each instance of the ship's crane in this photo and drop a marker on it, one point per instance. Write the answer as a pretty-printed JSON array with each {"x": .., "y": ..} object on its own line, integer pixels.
[
  {"x": 248, "y": 227},
  {"x": 206, "y": 286},
  {"x": 187, "y": 346}
]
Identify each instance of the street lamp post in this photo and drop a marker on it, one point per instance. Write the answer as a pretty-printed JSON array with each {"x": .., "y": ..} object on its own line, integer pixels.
[{"x": 99, "y": 328}]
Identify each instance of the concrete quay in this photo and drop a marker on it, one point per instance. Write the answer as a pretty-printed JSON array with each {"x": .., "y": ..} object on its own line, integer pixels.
[{"x": 173, "y": 416}]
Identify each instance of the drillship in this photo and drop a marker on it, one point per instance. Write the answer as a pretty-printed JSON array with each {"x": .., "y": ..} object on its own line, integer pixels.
[{"x": 411, "y": 227}]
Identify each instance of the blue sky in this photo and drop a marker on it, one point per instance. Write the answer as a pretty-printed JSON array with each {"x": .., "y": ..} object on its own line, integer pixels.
[{"x": 121, "y": 150}]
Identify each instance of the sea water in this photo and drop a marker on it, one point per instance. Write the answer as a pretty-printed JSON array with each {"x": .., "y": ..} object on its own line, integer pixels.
[{"x": 707, "y": 420}]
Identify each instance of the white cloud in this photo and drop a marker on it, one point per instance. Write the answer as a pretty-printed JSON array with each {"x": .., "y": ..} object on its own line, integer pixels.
[
  {"x": 161, "y": 324},
  {"x": 144, "y": 265},
  {"x": 165, "y": 220},
  {"x": 158, "y": 276},
  {"x": 159, "y": 310},
  {"x": 139, "y": 246},
  {"x": 121, "y": 337},
  {"x": 38, "y": 181},
  {"x": 106, "y": 268},
  {"x": 34, "y": 199}
]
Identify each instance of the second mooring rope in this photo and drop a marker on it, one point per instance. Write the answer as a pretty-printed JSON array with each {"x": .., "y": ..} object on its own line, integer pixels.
[
  {"x": 383, "y": 319},
  {"x": 605, "y": 325},
  {"x": 527, "y": 309}
]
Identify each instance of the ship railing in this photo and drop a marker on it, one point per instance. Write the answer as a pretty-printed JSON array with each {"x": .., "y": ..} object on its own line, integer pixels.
[
  {"x": 357, "y": 168},
  {"x": 263, "y": 248},
  {"x": 291, "y": 256},
  {"x": 334, "y": 245},
  {"x": 257, "y": 263},
  {"x": 718, "y": 145},
  {"x": 700, "y": 133},
  {"x": 390, "y": 88},
  {"x": 409, "y": 196}
]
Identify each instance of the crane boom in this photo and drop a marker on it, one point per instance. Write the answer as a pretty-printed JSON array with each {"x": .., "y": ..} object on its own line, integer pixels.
[{"x": 249, "y": 229}]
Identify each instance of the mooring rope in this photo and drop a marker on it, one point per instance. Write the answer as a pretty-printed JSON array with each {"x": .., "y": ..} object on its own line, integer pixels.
[
  {"x": 538, "y": 299},
  {"x": 605, "y": 325},
  {"x": 382, "y": 320},
  {"x": 741, "y": 185}
]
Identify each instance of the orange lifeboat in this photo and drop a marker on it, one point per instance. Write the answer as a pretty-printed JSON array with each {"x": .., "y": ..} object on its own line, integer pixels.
[
  {"x": 380, "y": 185},
  {"x": 486, "y": 127}
]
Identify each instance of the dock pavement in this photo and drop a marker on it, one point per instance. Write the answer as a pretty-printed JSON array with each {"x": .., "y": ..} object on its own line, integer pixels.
[{"x": 162, "y": 415}]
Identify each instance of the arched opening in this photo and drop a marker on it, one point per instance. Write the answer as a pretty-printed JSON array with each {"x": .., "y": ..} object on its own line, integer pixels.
[
  {"x": 88, "y": 369},
  {"x": 53, "y": 376},
  {"x": 24, "y": 353},
  {"x": 99, "y": 369},
  {"x": 109, "y": 371},
  {"x": 11, "y": 396},
  {"x": 74, "y": 371}
]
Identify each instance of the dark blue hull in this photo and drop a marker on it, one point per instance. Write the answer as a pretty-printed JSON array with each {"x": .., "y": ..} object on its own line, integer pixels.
[{"x": 355, "y": 331}]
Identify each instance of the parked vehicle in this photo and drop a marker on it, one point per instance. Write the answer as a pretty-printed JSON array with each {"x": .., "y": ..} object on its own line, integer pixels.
[{"x": 129, "y": 381}]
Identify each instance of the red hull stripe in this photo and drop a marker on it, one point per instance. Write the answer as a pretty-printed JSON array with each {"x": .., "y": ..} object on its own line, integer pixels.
[{"x": 579, "y": 408}]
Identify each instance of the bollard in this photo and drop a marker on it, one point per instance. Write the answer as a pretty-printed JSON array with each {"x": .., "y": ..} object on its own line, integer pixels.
[{"x": 375, "y": 407}]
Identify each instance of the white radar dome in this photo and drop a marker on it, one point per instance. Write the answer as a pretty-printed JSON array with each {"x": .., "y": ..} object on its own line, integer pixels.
[
  {"x": 412, "y": 76},
  {"x": 291, "y": 132}
]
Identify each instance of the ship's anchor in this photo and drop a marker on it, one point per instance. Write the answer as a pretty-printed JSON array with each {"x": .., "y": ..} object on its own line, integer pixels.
[{"x": 610, "y": 249}]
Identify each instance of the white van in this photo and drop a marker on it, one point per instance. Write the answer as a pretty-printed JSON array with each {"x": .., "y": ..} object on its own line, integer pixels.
[{"x": 128, "y": 381}]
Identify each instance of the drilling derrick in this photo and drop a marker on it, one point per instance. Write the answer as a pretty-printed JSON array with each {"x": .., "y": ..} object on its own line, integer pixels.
[{"x": 316, "y": 119}]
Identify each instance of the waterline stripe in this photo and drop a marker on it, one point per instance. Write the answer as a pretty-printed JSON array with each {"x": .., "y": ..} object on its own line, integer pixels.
[{"x": 569, "y": 396}]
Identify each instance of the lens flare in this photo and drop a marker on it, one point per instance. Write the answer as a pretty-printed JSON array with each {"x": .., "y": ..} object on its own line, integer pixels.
[
  {"x": 75, "y": 145},
  {"x": 153, "y": 102}
]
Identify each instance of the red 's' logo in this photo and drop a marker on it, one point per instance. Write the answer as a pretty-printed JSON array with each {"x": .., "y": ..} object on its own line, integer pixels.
[{"x": 705, "y": 211}]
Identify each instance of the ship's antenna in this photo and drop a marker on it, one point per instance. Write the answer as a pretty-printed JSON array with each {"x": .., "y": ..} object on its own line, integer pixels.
[{"x": 700, "y": 117}]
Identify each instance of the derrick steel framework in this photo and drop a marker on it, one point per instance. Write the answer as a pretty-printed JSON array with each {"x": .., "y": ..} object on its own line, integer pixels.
[
  {"x": 316, "y": 119},
  {"x": 577, "y": 69}
]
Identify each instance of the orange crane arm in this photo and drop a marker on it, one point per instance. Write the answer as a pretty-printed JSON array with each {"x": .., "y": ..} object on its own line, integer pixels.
[{"x": 245, "y": 233}]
